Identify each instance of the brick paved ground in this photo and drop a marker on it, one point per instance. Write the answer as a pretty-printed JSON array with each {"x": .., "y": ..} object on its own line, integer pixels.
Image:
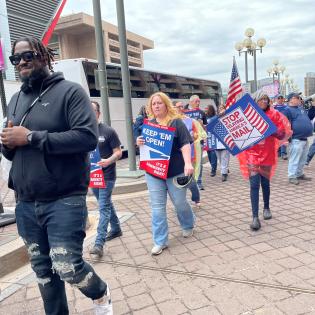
[{"x": 223, "y": 269}]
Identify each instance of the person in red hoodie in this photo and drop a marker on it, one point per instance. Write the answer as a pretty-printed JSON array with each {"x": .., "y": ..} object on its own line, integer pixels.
[{"x": 258, "y": 163}]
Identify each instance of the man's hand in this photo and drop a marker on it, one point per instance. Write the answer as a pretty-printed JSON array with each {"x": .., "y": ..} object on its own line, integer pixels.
[
  {"x": 105, "y": 162},
  {"x": 14, "y": 136}
]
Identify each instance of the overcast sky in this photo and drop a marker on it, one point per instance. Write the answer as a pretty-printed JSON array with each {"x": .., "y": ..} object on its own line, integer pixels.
[{"x": 197, "y": 38}]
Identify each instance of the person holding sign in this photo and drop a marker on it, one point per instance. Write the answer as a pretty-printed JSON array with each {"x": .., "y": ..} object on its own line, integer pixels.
[
  {"x": 197, "y": 133},
  {"x": 110, "y": 151},
  {"x": 281, "y": 107},
  {"x": 199, "y": 114},
  {"x": 258, "y": 163},
  {"x": 161, "y": 112},
  {"x": 213, "y": 160},
  {"x": 223, "y": 155}
]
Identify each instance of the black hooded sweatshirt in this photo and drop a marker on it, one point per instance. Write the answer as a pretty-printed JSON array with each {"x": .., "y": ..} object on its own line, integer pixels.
[{"x": 55, "y": 164}]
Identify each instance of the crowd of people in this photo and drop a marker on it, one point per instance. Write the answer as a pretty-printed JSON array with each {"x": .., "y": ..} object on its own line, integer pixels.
[
  {"x": 258, "y": 163},
  {"x": 52, "y": 126}
]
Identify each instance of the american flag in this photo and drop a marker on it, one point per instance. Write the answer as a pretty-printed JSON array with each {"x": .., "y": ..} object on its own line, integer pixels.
[
  {"x": 222, "y": 132},
  {"x": 255, "y": 119},
  {"x": 235, "y": 87}
]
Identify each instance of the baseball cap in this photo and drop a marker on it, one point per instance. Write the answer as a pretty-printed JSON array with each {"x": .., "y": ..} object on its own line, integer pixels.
[
  {"x": 280, "y": 96},
  {"x": 293, "y": 94},
  {"x": 182, "y": 181}
]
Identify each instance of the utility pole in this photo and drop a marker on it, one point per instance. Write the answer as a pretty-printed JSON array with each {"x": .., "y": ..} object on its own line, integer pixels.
[
  {"x": 126, "y": 83},
  {"x": 4, "y": 111},
  {"x": 102, "y": 75}
]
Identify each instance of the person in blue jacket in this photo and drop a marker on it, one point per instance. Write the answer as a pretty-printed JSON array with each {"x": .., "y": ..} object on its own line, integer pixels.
[
  {"x": 311, "y": 151},
  {"x": 302, "y": 129}
]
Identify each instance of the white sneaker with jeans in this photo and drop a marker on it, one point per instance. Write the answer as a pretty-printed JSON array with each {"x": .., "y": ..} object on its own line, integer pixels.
[{"x": 103, "y": 306}]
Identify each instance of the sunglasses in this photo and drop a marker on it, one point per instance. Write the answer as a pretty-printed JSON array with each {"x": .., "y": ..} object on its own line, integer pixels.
[{"x": 26, "y": 55}]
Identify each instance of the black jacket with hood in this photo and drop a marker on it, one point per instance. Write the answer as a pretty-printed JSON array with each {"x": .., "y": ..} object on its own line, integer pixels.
[{"x": 55, "y": 164}]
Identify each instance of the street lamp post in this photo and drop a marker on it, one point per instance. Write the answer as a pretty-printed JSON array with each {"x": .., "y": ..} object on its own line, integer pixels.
[
  {"x": 276, "y": 70},
  {"x": 249, "y": 46},
  {"x": 288, "y": 85}
]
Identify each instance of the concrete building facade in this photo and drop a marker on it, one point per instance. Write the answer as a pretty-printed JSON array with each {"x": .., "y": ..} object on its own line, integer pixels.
[
  {"x": 309, "y": 84},
  {"x": 74, "y": 37}
]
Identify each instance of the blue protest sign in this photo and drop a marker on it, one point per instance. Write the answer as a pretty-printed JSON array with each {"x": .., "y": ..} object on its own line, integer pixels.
[
  {"x": 96, "y": 171},
  {"x": 193, "y": 113},
  {"x": 213, "y": 142},
  {"x": 243, "y": 125},
  {"x": 155, "y": 153}
]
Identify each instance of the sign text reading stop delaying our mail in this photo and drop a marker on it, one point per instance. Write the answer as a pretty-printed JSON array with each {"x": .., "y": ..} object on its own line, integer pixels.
[{"x": 236, "y": 125}]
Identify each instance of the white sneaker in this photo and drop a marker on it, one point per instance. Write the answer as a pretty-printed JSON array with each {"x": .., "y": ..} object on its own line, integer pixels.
[
  {"x": 188, "y": 233},
  {"x": 103, "y": 306},
  {"x": 158, "y": 249}
]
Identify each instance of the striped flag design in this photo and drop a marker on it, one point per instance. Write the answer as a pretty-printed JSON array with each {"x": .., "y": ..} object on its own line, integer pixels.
[
  {"x": 255, "y": 119},
  {"x": 222, "y": 132},
  {"x": 235, "y": 88}
]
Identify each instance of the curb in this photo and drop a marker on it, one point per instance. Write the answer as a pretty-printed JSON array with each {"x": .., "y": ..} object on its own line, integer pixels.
[
  {"x": 13, "y": 256},
  {"x": 131, "y": 187}
]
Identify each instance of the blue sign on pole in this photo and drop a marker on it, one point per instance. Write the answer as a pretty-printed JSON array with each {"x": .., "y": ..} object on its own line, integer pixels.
[
  {"x": 213, "y": 142},
  {"x": 193, "y": 113}
]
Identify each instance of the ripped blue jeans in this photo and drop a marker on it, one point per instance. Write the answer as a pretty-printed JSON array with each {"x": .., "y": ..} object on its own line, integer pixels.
[{"x": 53, "y": 233}]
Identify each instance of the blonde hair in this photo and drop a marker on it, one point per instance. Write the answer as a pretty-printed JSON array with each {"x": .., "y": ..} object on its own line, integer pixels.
[
  {"x": 171, "y": 111},
  {"x": 194, "y": 97}
]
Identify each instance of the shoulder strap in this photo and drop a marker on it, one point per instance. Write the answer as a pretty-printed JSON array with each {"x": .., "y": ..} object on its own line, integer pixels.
[{"x": 33, "y": 103}]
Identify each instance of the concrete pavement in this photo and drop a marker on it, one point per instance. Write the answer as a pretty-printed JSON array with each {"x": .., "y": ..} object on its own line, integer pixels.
[{"x": 223, "y": 269}]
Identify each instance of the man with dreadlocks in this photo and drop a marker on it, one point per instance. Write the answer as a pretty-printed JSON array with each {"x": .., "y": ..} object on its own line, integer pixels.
[{"x": 50, "y": 130}]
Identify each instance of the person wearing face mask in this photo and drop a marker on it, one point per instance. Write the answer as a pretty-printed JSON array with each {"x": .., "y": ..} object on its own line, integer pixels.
[{"x": 258, "y": 163}]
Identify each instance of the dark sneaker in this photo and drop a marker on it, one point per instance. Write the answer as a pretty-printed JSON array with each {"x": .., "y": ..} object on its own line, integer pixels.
[
  {"x": 303, "y": 177},
  {"x": 255, "y": 225},
  {"x": 213, "y": 173},
  {"x": 224, "y": 177},
  {"x": 267, "y": 214},
  {"x": 294, "y": 181},
  {"x": 200, "y": 186},
  {"x": 111, "y": 235},
  {"x": 97, "y": 251},
  {"x": 284, "y": 157}
]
